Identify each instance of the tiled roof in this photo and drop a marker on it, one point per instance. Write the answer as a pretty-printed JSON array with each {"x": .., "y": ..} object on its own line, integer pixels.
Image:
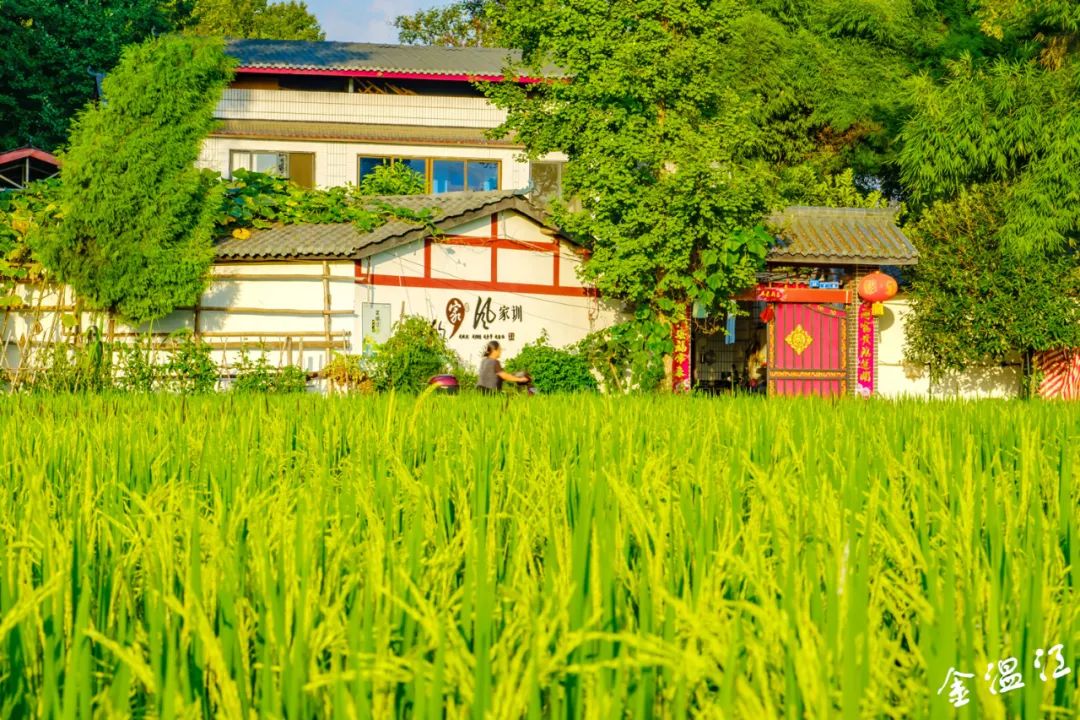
[
  {"x": 840, "y": 236},
  {"x": 355, "y": 132},
  {"x": 343, "y": 241},
  {"x": 456, "y": 63}
]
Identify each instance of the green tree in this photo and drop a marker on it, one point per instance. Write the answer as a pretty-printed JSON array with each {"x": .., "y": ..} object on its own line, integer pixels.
[
  {"x": 138, "y": 216},
  {"x": 974, "y": 301},
  {"x": 49, "y": 47},
  {"x": 686, "y": 121},
  {"x": 989, "y": 158},
  {"x": 260, "y": 19},
  {"x": 468, "y": 23}
]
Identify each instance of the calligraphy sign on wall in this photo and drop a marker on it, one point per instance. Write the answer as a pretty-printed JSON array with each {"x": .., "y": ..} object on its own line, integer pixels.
[
  {"x": 864, "y": 349},
  {"x": 487, "y": 321},
  {"x": 375, "y": 322},
  {"x": 680, "y": 359}
]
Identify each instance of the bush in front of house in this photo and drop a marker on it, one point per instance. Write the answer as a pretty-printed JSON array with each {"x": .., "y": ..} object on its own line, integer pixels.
[
  {"x": 414, "y": 353},
  {"x": 553, "y": 370},
  {"x": 259, "y": 376}
]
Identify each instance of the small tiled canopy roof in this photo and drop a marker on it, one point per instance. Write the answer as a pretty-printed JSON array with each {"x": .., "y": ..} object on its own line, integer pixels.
[
  {"x": 840, "y": 236},
  {"x": 343, "y": 241},
  {"x": 371, "y": 59}
]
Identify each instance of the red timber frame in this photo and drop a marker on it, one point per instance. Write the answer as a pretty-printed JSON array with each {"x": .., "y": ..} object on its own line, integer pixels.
[{"x": 495, "y": 243}]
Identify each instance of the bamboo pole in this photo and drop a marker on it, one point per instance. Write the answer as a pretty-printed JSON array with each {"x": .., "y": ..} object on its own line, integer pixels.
[{"x": 327, "y": 302}]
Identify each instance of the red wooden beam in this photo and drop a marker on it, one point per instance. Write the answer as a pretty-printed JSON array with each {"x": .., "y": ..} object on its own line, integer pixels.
[{"x": 474, "y": 285}]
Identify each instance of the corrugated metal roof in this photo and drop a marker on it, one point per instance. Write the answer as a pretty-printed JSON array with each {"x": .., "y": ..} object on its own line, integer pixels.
[
  {"x": 840, "y": 236},
  {"x": 372, "y": 58},
  {"x": 345, "y": 241},
  {"x": 356, "y": 132}
]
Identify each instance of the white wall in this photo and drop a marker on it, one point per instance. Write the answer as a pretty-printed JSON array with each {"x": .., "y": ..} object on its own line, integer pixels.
[
  {"x": 899, "y": 379},
  {"x": 243, "y": 323},
  {"x": 336, "y": 163},
  {"x": 565, "y": 319},
  {"x": 364, "y": 108}
]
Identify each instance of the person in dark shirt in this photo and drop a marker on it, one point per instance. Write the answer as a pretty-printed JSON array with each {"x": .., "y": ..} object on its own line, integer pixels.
[{"x": 492, "y": 374}]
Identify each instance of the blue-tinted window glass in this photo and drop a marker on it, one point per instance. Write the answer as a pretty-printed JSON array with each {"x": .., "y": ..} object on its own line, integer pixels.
[
  {"x": 483, "y": 175},
  {"x": 447, "y": 176},
  {"x": 417, "y": 164},
  {"x": 368, "y": 165}
]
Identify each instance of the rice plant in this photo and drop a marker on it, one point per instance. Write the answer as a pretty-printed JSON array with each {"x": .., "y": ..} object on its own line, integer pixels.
[{"x": 246, "y": 556}]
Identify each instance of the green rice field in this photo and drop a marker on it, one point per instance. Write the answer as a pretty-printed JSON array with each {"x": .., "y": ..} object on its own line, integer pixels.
[{"x": 247, "y": 556}]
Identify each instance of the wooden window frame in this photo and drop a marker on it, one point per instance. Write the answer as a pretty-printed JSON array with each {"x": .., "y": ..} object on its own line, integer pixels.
[
  {"x": 429, "y": 167},
  {"x": 285, "y": 153}
]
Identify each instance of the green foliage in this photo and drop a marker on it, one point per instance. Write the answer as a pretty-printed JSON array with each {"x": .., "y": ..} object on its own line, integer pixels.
[
  {"x": 260, "y": 376},
  {"x": 48, "y": 48},
  {"x": 553, "y": 370},
  {"x": 685, "y": 124},
  {"x": 259, "y": 19},
  {"x": 138, "y": 216},
  {"x": 393, "y": 179},
  {"x": 1010, "y": 122},
  {"x": 190, "y": 370},
  {"x": 414, "y": 353},
  {"x": 629, "y": 356},
  {"x": 50, "y": 45},
  {"x": 66, "y": 368},
  {"x": 260, "y": 200},
  {"x": 347, "y": 373},
  {"x": 138, "y": 372},
  {"x": 466, "y": 23},
  {"x": 974, "y": 300}
]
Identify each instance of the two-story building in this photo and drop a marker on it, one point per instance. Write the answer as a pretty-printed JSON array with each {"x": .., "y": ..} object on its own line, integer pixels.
[{"x": 326, "y": 113}]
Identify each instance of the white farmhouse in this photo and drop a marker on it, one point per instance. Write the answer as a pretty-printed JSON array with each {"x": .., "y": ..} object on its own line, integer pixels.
[{"x": 327, "y": 113}]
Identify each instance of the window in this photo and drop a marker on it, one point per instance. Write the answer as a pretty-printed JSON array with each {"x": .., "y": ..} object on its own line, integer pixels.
[
  {"x": 442, "y": 175},
  {"x": 546, "y": 179},
  {"x": 298, "y": 167}
]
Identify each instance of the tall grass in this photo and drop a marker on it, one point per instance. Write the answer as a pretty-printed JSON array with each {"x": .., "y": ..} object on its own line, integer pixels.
[{"x": 587, "y": 557}]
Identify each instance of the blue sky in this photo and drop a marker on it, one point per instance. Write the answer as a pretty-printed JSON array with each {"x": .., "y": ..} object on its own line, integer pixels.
[{"x": 365, "y": 20}]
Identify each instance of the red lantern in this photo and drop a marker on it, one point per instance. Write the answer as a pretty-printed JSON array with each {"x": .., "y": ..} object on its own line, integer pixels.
[{"x": 876, "y": 288}]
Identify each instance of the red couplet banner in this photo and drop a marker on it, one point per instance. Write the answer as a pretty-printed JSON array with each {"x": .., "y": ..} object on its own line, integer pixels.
[
  {"x": 864, "y": 349},
  {"x": 680, "y": 358}
]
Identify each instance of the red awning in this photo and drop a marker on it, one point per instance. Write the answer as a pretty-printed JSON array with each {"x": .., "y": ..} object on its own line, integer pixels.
[{"x": 28, "y": 152}]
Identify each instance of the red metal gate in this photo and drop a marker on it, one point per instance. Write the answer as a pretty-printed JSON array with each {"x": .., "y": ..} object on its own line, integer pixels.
[{"x": 807, "y": 350}]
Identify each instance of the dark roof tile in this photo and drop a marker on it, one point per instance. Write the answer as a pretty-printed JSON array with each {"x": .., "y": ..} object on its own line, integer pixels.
[
  {"x": 840, "y": 236},
  {"x": 344, "y": 241},
  {"x": 486, "y": 63}
]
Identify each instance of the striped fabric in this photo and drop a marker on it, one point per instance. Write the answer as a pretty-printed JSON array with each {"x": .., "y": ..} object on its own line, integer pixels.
[{"x": 1061, "y": 374}]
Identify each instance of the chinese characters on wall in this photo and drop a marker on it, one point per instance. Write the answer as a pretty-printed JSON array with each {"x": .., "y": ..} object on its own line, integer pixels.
[
  {"x": 864, "y": 349},
  {"x": 487, "y": 321},
  {"x": 680, "y": 358}
]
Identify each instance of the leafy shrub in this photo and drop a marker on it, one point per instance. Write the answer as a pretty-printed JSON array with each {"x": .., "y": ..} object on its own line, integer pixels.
[
  {"x": 138, "y": 372},
  {"x": 67, "y": 368},
  {"x": 629, "y": 356},
  {"x": 261, "y": 377},
  {"x": 190, "y": 370},
  {"x": 393, "y": 179},
  {"x": 414, "y": 353},
  {"x": 552, "y": 369},
  {"x": 348, "y": 373}
]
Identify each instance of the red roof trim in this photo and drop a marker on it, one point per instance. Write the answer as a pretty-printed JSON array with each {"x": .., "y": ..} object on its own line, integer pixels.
[
  {"x": 22, "y": 153},
  {"x": 386, "y": 74}
]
